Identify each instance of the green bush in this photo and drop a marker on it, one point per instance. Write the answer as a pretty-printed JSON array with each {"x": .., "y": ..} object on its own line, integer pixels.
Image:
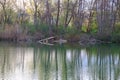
[
  {"x": 30, "y": 28},
  {"x": 43, "y": 28},
  {"x": 94, "y": 27},
  {"x": 84, "y": 28},
  {"x": 117, "y": 28},
  {"x": 72, "y": 34},
  {"x": 60, "y": 30},
  {"x": 72, "y": 31},
  {"x": 115, "y": 38}
]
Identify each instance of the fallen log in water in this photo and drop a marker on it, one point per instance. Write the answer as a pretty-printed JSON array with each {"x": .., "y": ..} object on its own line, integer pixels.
[
  {"x": 48, "y": 41},
  {"x": 61, "y": 41}
]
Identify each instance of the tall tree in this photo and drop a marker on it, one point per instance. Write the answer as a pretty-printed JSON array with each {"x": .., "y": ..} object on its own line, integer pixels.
[
  {"x": 35, "y": 12},
  {"x": 58, "y": 13},
  {"x": 3, "y": 4},
  {"x": 48, "y": 16},
  {"x": 67, "y": 13},
  {"x": 79, "y": 14}
]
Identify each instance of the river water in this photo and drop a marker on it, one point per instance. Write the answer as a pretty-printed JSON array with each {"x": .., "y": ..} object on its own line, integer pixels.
[{"x": 59, "y": 62}]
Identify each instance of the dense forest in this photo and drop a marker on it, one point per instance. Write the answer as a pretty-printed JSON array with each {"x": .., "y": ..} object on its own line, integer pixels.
[{"x": 73, "y": 20}]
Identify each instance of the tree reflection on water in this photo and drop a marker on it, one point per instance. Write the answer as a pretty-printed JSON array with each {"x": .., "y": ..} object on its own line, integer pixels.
[{"x": 59, "y": 63}]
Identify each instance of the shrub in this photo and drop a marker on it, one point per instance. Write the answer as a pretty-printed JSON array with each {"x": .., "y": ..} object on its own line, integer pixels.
[
  {"x": 72, "y": 31},
  {"x": 94, "y": 27},
  {"x": 115, "y": 38},
  {"x": 84, "y": 28},
  {"x": 31, "y": 28},
  {"x": 117, "y": 28}
]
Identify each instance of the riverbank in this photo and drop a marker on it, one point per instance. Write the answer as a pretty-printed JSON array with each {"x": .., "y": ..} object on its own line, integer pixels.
[
  {"x": 81, "y": 39},
  {"x": 17, "y": 33}
]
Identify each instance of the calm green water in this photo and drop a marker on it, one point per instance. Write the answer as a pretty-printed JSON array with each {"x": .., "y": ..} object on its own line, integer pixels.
[{"x": 65, "y": 62}]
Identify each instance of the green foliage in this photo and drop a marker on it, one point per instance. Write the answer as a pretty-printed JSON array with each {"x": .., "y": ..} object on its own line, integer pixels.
[
  {"x": 42, "y": 28},
  {"x": 72, "y": 34},
  {"x": 72, "y": 31},
  {"x": 117, "y": 28},
  {"x": 31, "y": 28},
  {"x": 116, "y": 33},
  {"x": 94, "y": 27},
  {"x": 60, "y": 30},
  {"x": 84, "y": 28},
  {"x": 115, "y": 38}
]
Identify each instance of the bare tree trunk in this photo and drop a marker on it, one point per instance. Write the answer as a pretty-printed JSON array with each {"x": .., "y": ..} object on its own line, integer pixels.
[
  {"x": 90, "y": 21},
  {"x": 35, "y": 13},
  {"x": 79, "y": 16},
  {"x": 48, "y": 16},
  {"x": 72, "y": 12},
  {"x": 118, "y": 9},
  {"x": 67, "y": 14},
  {"x": 3, "y": 4},
  {"x": 58, "y": 13},
  {"x": 91, "y": 14}
]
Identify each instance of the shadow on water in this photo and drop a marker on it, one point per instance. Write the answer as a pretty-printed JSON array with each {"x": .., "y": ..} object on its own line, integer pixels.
[{"x": 59, "y": 62}]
